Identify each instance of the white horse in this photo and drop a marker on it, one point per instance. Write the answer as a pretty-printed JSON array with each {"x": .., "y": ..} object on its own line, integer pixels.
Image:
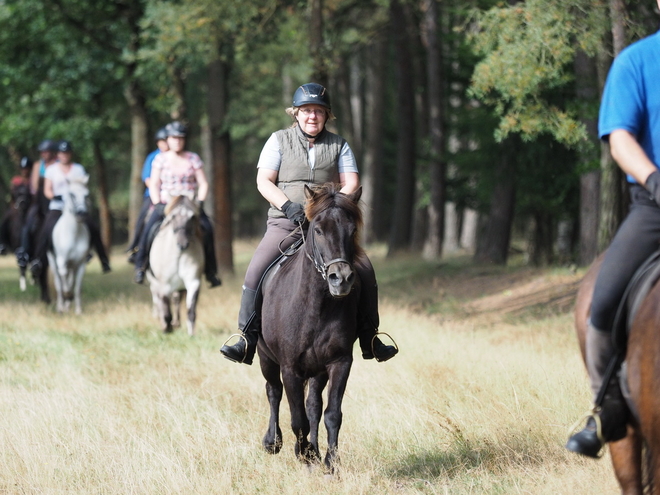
[
  {"x": 176, "y": 262},
  {"x": 70, "y": 246}
]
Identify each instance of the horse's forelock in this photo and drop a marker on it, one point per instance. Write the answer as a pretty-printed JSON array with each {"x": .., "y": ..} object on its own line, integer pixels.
[{"x": 328, "y": 196}]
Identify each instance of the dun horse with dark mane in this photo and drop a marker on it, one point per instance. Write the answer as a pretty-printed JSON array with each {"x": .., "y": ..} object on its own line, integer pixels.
[{"x": 309, "y": 324}]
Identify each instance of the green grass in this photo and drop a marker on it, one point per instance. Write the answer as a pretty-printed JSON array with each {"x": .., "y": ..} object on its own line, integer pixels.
[{"x": 103, "y": 403}]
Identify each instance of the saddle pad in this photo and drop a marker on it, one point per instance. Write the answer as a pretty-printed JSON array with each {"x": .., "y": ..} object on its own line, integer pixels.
[{"x": 639, "y": 286}]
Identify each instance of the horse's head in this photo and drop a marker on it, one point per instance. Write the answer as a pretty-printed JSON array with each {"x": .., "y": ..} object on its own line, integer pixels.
[
  {"x": 181, "y": 215},
  {"x": 76, "y": 199},
  {"x": 335, "y": 219},
  {"x": 20, "y": 196}
]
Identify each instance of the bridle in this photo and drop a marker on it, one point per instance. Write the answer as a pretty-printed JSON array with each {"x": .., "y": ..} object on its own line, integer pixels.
[{"x": 321, "y": 266}]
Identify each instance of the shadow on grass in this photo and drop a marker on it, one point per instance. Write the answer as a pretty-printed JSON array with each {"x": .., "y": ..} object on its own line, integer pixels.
[
  {"x": 95, "y": 287},
  {"x": 462, "y": 457}
]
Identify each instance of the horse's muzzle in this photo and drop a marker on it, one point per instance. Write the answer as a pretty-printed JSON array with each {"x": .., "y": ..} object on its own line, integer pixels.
[{"x": 340, "y": 277}]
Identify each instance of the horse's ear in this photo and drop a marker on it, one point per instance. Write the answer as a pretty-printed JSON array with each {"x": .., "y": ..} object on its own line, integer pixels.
[
  {"x": 355, "y": 196},
  {"x": 309, "y": 194}
]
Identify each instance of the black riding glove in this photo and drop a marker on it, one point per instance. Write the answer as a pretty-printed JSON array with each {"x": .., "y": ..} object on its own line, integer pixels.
[
  {"x": 159, "y": 208},
  {"x": 653, "y": 186},
  {"x": 294, "y": 212}
]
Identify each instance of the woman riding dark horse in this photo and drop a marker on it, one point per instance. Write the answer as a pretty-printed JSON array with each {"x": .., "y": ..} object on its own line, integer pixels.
[
  {"x": 13, "y": 220},
  {"x": 304, "y": 154},
  {"x": 630, "y": 121},
  {"x": 39, "y": 207},
  {"x": 310, "y": 309}
]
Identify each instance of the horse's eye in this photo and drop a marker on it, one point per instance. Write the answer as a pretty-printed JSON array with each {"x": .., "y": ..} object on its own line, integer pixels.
[{"x": 318, "y": 231}]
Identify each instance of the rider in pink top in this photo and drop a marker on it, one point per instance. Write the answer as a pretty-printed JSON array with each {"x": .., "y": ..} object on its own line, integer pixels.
[{"x": 173, "y": 173}]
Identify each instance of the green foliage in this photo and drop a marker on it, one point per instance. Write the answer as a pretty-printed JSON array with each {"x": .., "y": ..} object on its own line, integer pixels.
[{"x": 528, "y": 50}]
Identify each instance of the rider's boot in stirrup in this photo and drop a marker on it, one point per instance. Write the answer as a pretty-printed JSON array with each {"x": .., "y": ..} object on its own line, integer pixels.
[
  {"x": 248, "y": 323},
  {"x": 608, "y": 422},
  {"x": 22, "y": 257},
  {"x": 371, "y": 345}
]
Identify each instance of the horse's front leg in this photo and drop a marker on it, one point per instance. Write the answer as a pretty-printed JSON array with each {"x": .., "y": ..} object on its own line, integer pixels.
[
  {"x": 79, "y": 274},
  {"x": 176, "y": 304},
  {"x": 338, "y": 373},
  {"x": 295, "y": 392},
  {"x": 192, "y": 295},
  {"x": 165, "y": 313},
  {"x": 314, "y": 408},
  {"x": 272, "y": 440},
  {"x": 57, "y": 281}
]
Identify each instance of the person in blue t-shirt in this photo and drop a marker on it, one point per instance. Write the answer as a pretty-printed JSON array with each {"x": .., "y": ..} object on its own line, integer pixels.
[
  {"x": 161, "y": 146},
  {"x": 629, "y": 120}
]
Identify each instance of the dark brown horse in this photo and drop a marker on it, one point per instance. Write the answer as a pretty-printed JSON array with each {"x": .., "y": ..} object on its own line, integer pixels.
[
  {"x": 14, "y": 218},
  {"x": 309, "y": 324},
  {"x": 643, "y": 376}
]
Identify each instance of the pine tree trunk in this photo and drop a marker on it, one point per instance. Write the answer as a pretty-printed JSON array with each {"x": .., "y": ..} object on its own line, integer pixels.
[
  {"x": 586, "y": 83},
  {"x": 139, "y": 147},
  {"x": 219, "y": 71},
  {"x": 371, "y": 171},
  {"x": 401, "y": 227},
  {"x": 436, "y": 209},
  {"x": 612, "y": 185},
  {"x": 493, "y": 246},
  {"x": 104, "y": 205}
]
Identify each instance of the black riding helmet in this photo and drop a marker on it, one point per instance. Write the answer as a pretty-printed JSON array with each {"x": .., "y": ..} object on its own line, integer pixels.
[
  {"x": 161, "y": 134},
  {"x": 65, "y": 147},
  {"x": 47, "y": 145},
  {"x": 311, "y": 94},
  {"x": 176, "y": 129},
  {"x": 26, "y": 162}
]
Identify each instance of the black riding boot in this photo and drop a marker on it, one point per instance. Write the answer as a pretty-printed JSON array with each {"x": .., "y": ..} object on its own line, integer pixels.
[
  {"x": 371, "y": 345},
  {"x": 249, "y": 325},
  {"x": 368, "y": 320},
  {"x": 210, "y": 263},
  {"x": 608, "y": 422}
]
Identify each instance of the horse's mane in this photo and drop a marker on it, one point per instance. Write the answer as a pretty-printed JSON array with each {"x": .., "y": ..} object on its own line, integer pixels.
[
  {"x": 329, "y": 196},
  {"x": 176, "y": 200}
]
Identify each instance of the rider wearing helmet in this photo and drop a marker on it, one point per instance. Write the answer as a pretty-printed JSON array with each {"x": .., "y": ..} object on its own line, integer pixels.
[
  {"x": 20, "y": 188},
  {"x": 304, "y": 154},
  {"x": 161, "y": 146},
  {"x": 174, "y": 172},
  {"x": 39, "y": 207},
  {"x": 55, "y": 187}
]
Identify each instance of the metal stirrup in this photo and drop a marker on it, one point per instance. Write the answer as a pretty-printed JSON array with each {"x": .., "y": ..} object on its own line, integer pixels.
[
  {"x": 373, "y": 353},
  {"x": 240, "y": 336}
]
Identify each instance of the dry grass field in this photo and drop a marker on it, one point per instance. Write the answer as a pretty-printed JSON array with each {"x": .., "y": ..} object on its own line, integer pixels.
[{"x": 478, "y": 401}]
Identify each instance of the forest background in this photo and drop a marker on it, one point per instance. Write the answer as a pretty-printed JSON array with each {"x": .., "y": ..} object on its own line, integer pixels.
[{"x": 472, "y": 120}]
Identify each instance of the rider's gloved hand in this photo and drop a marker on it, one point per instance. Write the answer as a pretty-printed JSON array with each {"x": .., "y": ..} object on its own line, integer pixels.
[
  {"x": 653, "y": 186},
  {"x": 159, "y": 208},
  {"x": 294, "y": 212}
]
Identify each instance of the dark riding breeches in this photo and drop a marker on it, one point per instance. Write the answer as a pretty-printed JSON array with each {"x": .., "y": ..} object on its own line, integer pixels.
[
  {"x": 637, "y": 238},
  {"x": 140, "y": 222}
]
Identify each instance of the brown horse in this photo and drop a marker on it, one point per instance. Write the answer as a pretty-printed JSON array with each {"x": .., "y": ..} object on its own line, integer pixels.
[
  {"x": 643, "y": 378},
  {"x": 14, "y": 218},
  {"x": 309, "y": 320}
]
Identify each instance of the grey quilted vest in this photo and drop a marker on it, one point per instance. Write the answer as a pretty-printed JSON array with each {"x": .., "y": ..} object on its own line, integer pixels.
[{"x": 295, "y": 171}]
